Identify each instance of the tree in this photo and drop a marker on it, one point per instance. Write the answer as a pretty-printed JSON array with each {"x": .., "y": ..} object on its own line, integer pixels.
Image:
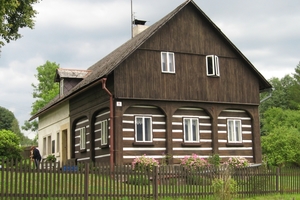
[
  {"x": 44, "y": 91},
  {"x": 9, "y": 145},
  {"x": 294, "y": 92},
  {"x": 281, "y": 147},
  {"x": 15, "y": 14},
  {"x": 6, "y": 119},
  {"x": 9, "y": 122},
  {"x": 278, "y": 117},
  {"x": 281, "y": 143},
  {"x": 280, "y": 95}
]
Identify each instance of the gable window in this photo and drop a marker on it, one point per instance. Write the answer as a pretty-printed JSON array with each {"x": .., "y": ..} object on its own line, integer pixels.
[
  {"x": 104, "y": 132},
  {"x": 234, "y": 128},
  {"x": 82, "y": 138},
  {"x": 143, "y": 129},
  {"x": 167, "y": 62},
  {"x": 191, "y": 129},
  {"x": 212, "y": 65}
]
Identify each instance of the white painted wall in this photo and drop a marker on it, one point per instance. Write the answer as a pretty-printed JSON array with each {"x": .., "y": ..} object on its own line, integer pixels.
[{"x": 51, "y": 125}]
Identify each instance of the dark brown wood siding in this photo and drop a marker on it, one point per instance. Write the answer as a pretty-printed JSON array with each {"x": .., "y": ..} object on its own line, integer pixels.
[
  {"x": 158, "y": 147},
  {"x": 70, "y": 83},
  {"x": 87, "y": 105},
  {"x": 101, "y": 151},
  {"x": 243, "y": 150},
  {"x": 82, "y": 154},
  {"x": 180, "y": 149},
  {"x": 191, "y": 39}
]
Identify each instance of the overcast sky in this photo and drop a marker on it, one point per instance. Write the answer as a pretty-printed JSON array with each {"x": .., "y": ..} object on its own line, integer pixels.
[{"x": 77, "y": 33}]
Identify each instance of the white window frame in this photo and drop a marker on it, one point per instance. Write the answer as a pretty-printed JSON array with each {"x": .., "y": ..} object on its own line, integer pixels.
[
  {"x": 167, "y": 62},
  {"x": 104, "y": 132},
  {"x": 189, "y": 134},
  {"x": 82, "y": 133},
  {"x": 150, "y": 136},
  {"x": 235, "y": 132},
  {"x": 214, "y": 66}
]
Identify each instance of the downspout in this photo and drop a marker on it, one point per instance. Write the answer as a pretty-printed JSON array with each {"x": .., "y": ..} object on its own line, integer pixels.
[{"x": 111, "y": 121}]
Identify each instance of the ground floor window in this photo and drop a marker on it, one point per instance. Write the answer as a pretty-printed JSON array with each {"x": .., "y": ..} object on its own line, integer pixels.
[
  {"x": 143, "y": 129},
  {"x": 234, "y": 128},
  {"x": 191, "y": 129}
]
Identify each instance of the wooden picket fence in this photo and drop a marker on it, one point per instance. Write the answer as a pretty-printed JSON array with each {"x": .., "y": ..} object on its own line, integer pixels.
[{"x": 20, "y": 180}]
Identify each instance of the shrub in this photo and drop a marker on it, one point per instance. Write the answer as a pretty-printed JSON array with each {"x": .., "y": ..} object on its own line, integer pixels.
[
  {"x": 224, "y": 187},
  {"x": 194, "y": 161},
  {"x": 237, "y": 162},
  {"x": 144, "y": 163},
  {"x": 214, "y": 160},
  {"x": 51, "y": 158},
  {"x": 9, "y": 145}
]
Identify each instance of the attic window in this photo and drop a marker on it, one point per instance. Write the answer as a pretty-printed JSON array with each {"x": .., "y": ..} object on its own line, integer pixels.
[
  {"x": 212, "y": 66},
  {"x": 167, "y": 62}
]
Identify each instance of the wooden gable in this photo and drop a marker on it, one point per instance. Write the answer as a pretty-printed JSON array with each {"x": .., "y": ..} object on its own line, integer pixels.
[{"x": 191, "y": 36}]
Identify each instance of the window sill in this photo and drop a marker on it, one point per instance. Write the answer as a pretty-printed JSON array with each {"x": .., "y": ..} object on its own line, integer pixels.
[
  {"x": 148, "y": 144},
  {"x": 82, "y": 150},
  {"x": 234, "y": 144},
  {"x": 104, "y": 146},
  {"x": 213, "y": 76},
  {"x": 186, "y": 144}
]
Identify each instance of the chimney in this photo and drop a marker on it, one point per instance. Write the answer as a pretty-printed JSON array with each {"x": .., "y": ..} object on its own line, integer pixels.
[{"x": 138, "y": 26}]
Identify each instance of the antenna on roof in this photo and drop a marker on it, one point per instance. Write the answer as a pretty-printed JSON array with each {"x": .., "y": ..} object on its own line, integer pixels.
[{"x": 131, "y": 23}]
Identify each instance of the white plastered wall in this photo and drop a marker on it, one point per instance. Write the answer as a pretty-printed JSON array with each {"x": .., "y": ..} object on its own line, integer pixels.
[{"x": 53, "y": 126}]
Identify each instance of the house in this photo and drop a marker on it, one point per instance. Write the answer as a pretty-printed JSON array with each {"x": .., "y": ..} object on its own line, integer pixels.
[
  {"x": 54, "y": 125},
  {"x": 178, "y": 87}
]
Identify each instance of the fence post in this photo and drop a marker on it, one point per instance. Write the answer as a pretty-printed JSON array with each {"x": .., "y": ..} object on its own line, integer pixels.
[
  {"x": 277, "y": 179},
  {"x": 155, "y": 182},
  {"x": 86, "y": 181}
]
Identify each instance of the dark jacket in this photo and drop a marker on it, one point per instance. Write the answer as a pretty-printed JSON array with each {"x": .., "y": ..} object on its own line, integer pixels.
[{"x": 36, "y": 154}]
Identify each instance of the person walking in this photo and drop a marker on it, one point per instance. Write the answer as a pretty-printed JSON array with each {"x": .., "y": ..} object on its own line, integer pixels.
[{"x": 36, "y": 156}]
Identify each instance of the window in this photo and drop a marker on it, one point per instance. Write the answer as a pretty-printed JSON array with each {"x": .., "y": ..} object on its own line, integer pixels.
[
  {"x": 234, "y": 128},
  {"x": 143, "y": 129},
  {"x": 104, "y": 132},
  {"x": 167, "y": 62},
  {"x": 82, "y": 138},
  {"x": 191, "y": 129},
  {"x": 212, "y": 65},
  {"x": 53, "y": 146},
  {"x": 49, "y": 145},
  {"x": 44, "y": 146},
  {"x": 57, "y": 142}
]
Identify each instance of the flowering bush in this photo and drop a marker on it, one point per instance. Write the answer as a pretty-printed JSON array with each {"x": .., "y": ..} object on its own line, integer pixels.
[
  {"x": 237, "y": 162},
  {"x": 143, "y": 162},
  {"x": 194, "y": 161}
]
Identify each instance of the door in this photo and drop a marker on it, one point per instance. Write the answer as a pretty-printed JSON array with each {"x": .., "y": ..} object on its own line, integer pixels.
[{"x": 64, "y": 149}]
